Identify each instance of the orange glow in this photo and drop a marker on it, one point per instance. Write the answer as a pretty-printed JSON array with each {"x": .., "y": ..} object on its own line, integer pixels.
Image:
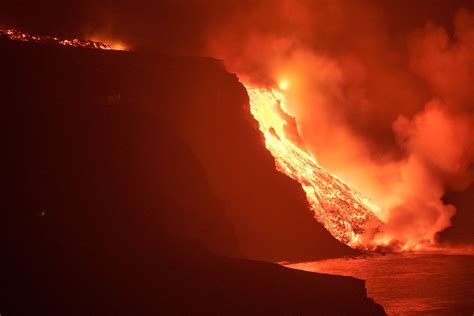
[
  {"x": 344, "y": 212},
  {"x": 348, "y": 215},
  {"x": 283, "y": 85},
  {"x": 114, "y": 44},
  {"x": 118, "y": 46},
  {"x": 24, "y": 37}
]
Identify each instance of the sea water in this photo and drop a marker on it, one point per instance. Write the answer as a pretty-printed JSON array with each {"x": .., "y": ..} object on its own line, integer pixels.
[{"x": 409, "y": 284}]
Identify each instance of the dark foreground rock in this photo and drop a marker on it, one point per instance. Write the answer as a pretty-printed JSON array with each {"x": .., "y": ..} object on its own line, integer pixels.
[
  {"x": 196, "y": 99},
  {"x": 112, "y": 207}
]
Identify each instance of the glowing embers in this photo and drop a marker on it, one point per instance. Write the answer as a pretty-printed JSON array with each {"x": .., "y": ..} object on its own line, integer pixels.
[
  {"x": 24, "y": 37},
  {"x": 345, "y": 213}
]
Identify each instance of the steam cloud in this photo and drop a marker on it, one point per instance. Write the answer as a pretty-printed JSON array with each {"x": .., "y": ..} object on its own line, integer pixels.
[{"x": 390, "y": 115}]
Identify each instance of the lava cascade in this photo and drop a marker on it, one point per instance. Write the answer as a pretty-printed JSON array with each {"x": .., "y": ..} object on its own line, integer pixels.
[{"x": 344, "y": 212}]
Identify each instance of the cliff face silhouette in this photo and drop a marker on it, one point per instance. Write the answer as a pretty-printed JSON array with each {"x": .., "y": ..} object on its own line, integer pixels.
[{"x": 132, "y": 177}]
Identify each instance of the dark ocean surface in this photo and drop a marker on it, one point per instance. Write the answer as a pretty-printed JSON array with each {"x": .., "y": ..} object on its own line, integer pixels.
[{"x": 410, "y": 284}]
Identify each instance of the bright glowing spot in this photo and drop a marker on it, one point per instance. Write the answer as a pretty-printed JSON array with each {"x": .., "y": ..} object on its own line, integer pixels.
[
  {"x": 118, "y": 46},
  {"x": 283, "y": 84},
  {"x": 112, "y": 43}
]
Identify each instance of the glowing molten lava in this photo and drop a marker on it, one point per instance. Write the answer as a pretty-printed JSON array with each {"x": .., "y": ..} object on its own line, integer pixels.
[
  {"x": 24, "y": 37},
  {"x": 345, "y": 213}
]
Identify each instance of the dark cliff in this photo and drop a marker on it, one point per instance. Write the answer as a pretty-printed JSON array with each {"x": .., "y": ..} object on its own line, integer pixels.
[
  {"x": 128, "y": 176},
  {"x": 205, "y": 106}
]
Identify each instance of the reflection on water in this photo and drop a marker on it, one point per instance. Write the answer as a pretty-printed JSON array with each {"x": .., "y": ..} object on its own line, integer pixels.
[{"x": 410, "y": 284}]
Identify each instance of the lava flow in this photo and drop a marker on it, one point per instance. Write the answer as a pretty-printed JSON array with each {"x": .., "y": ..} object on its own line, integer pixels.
[
  {"x": 344, "y": 212},
  {"x": 25, "y": 37}
]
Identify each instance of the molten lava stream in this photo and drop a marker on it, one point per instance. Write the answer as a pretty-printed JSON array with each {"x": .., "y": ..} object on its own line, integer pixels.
[
  {"x": 25, "y": 37},
  {"x": 345, "y": 213}
]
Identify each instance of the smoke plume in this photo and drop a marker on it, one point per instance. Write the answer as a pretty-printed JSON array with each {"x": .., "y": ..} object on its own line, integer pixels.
[{"x": 389, "y": 114}]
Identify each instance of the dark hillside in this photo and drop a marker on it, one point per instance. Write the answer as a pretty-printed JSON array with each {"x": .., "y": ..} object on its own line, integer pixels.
[{"x": 116, "y": 200}]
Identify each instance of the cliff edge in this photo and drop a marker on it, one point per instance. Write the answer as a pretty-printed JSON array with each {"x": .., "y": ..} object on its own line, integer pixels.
[{"x": 122, "y": 196}]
